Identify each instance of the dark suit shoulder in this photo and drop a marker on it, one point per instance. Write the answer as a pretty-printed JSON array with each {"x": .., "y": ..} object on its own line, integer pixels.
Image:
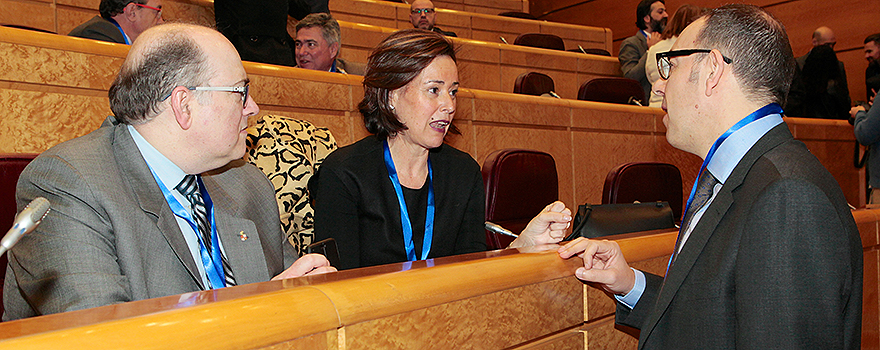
[{"x": 98, "y": 28}]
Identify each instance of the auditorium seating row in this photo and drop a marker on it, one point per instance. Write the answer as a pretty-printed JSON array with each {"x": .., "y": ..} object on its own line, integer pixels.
[
  {"x": 482, "y": 65},
  {"x": 470, "y": 25},
  {"x": 495, "y": 66},
  {"x": 508, "y": 299}
]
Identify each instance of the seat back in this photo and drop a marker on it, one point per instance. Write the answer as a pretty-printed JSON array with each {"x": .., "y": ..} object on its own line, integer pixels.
[
  {"x": 644, "y": 182},
  {"x": 612, "y": 90},
  {"x": 11, "y": 166},
  {"x": 518, "y": 14},
  {"x": 546, "y": 41},
  {"x": 533, "y": 83},
  {"x": 519, "y": 183}
]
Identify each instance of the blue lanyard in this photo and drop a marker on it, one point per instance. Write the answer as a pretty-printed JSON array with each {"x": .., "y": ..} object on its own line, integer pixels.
[
  {"x": 767, "y": 110},
  {"x": 124, "y": 36},
  {"x": 404, "y": 214},
  {"x": 212, "y": 260}
]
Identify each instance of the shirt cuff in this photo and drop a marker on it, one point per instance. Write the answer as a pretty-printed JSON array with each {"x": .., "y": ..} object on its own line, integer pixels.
[{"x": 631, "y": 298}]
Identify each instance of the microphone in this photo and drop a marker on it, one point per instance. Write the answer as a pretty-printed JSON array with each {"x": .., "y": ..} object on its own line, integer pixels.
[
  {"x": 491, "y": 226},
  {"x": 25, "y": 222},
  {"x": 503, "y": 40}
]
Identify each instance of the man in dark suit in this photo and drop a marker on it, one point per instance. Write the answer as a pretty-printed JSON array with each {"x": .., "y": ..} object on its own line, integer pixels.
[
  {"x": 121, "y": 21},
  {"x": 258, "y": 29},
  {"x": 318, "y": 43},
  {"x": 769, "y": 256},
  {"x": 157, "y": 201},
  {"x": 818, "y": 91},
  {"x": 651, "y": 18}
]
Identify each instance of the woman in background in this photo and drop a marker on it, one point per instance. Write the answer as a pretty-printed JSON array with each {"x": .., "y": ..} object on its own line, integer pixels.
[{"x": 401, "y": 194}]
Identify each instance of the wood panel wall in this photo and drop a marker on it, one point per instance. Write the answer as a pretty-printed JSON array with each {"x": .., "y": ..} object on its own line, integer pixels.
[{"x": 851, "y": 20}]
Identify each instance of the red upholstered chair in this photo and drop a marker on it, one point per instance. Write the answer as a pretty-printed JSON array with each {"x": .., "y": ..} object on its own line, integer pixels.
[
  {"x": 11, "y": 166},
  {"x": 644, "y": 182},
  {"x": 612, "y": 90},
  {"x": 519, "y": 183},
  {"x": 533, "y": 83},
  {"x": 545, "y": 41}
]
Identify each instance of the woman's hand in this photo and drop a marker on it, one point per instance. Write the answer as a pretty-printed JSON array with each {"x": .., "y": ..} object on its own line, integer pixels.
[{"x": 548, "y": 227}]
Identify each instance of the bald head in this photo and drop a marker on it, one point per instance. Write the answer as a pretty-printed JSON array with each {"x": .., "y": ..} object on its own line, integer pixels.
[
  {"x": 421, "y": 14},
  {"x": 824, "y": 36},
  {"x": 162, "y": 58}
]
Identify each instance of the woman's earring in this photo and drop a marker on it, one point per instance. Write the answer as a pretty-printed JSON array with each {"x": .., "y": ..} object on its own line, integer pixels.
[{"x": 392, "y": 107}]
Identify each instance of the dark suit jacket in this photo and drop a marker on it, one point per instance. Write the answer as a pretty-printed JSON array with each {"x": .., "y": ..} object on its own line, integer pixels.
[
  {"x": 774, "y": 263},
  {"x": 258, "y": 29},
  {"x": 111, "y": 237},
  {"x": 833, "y": 103},
  {"x": 632, "y": 60},
  {"x": 99, "y": 28}
]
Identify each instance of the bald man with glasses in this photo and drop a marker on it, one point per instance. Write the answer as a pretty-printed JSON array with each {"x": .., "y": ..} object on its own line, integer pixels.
[
  {"x": 422, "y": 15},
  {"x": 158, "y": 201}
]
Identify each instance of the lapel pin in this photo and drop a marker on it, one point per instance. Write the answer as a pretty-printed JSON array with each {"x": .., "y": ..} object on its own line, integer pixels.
[{"x": 243, "y": 236}]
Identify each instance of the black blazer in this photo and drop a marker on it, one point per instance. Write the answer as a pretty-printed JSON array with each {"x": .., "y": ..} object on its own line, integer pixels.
[
  {"x": 355, "y": 204},
  {"x": 774, "y": 263}
]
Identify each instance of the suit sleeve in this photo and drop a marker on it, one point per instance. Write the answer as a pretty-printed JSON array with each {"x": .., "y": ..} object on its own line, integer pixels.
[
  {"x": 867, "y": 126},
  {"x": 336, "y": 213},
  {"x": 632, "y": 61},
  {"x": 69, "y": 262},
  {"x": 639, "y": 314},
  {"x": 798, "y": 271}
]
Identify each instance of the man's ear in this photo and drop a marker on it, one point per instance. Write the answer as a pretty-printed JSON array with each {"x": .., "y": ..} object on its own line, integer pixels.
[
  {"x": 181, "y": 97},
  {"x": 129, "y": 11},
  {"x": 715, "y": 66},
  {"x": 334, "y": 49}
]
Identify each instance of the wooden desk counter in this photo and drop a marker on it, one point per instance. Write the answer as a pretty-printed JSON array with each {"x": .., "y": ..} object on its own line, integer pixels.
[{"x": 515, "y": 298}]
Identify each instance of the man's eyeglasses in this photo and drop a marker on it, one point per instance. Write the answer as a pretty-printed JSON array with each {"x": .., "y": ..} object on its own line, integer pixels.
[
  {"x": 664, "y": 65},
  {"x": 158, "y": 10},
  {"x": 421, "y": 11},
  {"x": 243, "y": 90}
]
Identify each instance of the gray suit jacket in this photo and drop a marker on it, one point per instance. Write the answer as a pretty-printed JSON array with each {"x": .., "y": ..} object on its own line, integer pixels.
[
  {"x": 111, "y": 237},
  {"x": 632, "y": 60},
  {"x": 774, "y": 263},
  {"x": 98, "y": 28}
]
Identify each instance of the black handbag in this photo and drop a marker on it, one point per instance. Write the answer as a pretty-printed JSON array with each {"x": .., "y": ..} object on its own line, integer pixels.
[{"x": 592, "y": 221}]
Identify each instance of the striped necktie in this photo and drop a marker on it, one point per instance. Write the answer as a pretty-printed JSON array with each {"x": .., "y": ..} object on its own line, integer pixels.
[
  {"x": 189, "y": 188},
  {"x": 705, "y": 189}
]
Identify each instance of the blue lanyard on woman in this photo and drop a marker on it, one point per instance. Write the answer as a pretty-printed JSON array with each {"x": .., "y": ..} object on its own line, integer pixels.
[
  {"x": 212, "y": 261},
  {"x": 769, "y": 109},
  {"x": 404, "y": 214}
]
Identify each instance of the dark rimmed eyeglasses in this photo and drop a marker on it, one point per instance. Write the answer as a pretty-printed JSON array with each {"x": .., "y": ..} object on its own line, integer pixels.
[
  {"x": 243, "y": 90},
  {"x": 158, "y": 10},
  {"x": 421, "y": 11},
  {"x": 664, "y": 65}
]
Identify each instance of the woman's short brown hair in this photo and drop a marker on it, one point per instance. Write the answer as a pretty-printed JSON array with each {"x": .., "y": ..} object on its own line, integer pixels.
[
  {"x": 684, "y": 16},
  {"x": 394, "y": 63}
]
